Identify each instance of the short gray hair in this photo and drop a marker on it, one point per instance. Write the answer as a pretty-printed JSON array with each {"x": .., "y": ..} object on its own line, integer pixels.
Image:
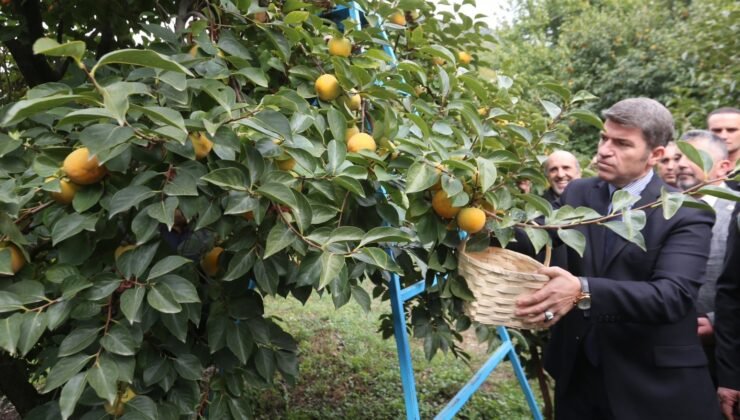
[
  {"x": 714, "y": 140},
  {"x": 649, "y": 115}
]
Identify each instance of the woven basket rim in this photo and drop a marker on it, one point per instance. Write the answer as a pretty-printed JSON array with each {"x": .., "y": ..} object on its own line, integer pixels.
[{"x": 469, "y": 256}]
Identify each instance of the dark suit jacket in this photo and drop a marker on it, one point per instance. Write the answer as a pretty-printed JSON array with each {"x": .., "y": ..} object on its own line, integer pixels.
[
  {"x": 642, "y": 313},
  {"x": 727, "y": 312}
]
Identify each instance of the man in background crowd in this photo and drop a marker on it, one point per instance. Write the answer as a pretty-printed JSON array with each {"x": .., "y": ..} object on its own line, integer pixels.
[
  {"x": 667, "y": 167},
  {"x": 561, "y": 167},
  {"x": 690, "y": 176},
  {"x": 725, "y": 123}
]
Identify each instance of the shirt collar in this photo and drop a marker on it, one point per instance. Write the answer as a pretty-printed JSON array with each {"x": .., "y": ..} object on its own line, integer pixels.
[{"x": 635, "y": 187}]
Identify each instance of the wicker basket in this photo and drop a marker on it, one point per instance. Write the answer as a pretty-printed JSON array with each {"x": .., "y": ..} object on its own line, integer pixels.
[{"x": 497, "y": 277}]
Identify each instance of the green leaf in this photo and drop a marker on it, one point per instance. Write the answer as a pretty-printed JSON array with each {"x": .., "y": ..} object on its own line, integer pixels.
[
  {"x": 77, "y": 341},
  {"x": 385, "y": 234},
  {"x": 163, "y": 115},
  {"x": 623, "y": 200},
  {"x": 162, "y": 299},
  {"x": 699, "y": 157},
  {"x": 129, "y": 197},
  {"x": 559, "y": 90},
  {"x": 345, "y": 234},
  {"x": 265, "y": 363},
  {"x": 538, "y": 237},
  {"x": 8, "y": 301},
  {"x": 278, "y": 238},
  {"x": 672, "y": 201},
  {"x": 420, "y": 177},
  {"x": 87, "y": 197},
  {"x": 142, "y": 407},
  {"x": 71, "y": 393},
  {"x": 539, "y": 203},
  {"x": 164, "y": 211},
  {"x": 440, "y": 52},
  {"x": 103, "y": 378},
  {"x": 361, "y": 297},
  {"x": 188, "y": 367},
  {"x": 182, "y": 289},
  {"x": 228, "y": 178},
  {"x": 84, "y": 115},
  {"x": 719, "y": 192},
  {"x": 135, "y": 262},
  {"x": 377, "y": 257},
  {"x": 296, "y": 17},
  {"x": 32, "y": 327},
  {"x": 10, "y": 332},
  {"x": 331, "y": 266},
  {"x": 119, "y": 341},
  {"x": 349, "y": 184},
  {"x": 337, "y": 125},
  {"x": 588, "y": 117},
  {"x": 255, "y": 74},
  {"x": 139, "y": 57},
  {"x": 336, "y": 153},
  {"x": 64, "y": 369},
  {"x": 167, "y": 265},
  {"x": 552, "y": 110},
  {"x": 240, "y": 265},
  {"x": 21, "y": 110},
  {"x": 131, "y": 301},
  {"x": 48, "y": 46},
  {"x": 486, "y": 173},
  {"x": 574, "y": 239},
  {"x": 239, "y": 340}
]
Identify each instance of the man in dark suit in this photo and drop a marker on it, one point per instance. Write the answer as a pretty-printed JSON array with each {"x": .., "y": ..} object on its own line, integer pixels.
[
  {"x": 624, "y": 342},
  {"x": 727, "y": 324}
]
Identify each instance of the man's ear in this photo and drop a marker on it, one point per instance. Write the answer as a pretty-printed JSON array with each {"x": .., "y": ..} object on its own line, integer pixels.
[
  {"x": 724, "y": 167},
  {"x": 655, "y": 155}
]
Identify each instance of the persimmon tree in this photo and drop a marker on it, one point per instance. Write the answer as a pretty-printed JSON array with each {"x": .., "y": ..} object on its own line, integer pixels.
[{"x": 153, "y": 196}]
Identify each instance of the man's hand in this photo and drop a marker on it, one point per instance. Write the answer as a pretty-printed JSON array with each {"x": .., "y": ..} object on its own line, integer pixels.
[
  {"x": 705, "y": 330},
  {"x": 728, "y": 402},
  {"x": 556, "y": 296}
]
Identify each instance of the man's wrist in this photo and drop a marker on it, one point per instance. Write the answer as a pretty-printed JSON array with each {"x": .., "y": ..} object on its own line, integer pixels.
[{"x": 583, "y": 299}]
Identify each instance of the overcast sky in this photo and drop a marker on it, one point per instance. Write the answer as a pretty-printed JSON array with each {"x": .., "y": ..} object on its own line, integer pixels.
[{"x": 496, "y": 11}]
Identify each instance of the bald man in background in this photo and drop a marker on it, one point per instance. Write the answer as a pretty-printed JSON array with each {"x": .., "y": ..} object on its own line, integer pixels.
[{"x": 561, "y": 167}]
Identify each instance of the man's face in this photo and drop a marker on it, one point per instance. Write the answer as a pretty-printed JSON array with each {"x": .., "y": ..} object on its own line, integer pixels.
[
  {"x": 623, "y": 154},
  {"x": 727, "y": 127},
  {"x": 668, "y": 164},
  {"x": 561, "y": 169},
  {"x": 691, "y": 175}
]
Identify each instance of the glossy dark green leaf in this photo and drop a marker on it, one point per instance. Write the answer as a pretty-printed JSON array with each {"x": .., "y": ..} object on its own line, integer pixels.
[
  {"x": 239, "y": 341},
  {"x": 71, "y": 393},
  {"x": 78, "y": 340},
  {"x": 331, "y": 266},
  {"x": 188, "y": 367},
  {"x": 103, "y": 378},
  {"x": 588, "y": 117},
  {"x": 129, "y": 197},
  {"x": 139, "y": 57},
  {"x": 240, "y": 264},
  {"x": 72, "y": 224},
  {"x": 32, "y": 327},
  {"x": 64, "y": 370},
  {"x": 10, "y": 332},
  {"x": 280, "y": 236},
  {"x": 420, "y": 177},
  {"x": 162, "y": 299},
  {"x": 228, "y": 178},
  {"x": 131, "y": 301},
  {"x": 119, "y": 341},
  {"x": 167, "y": 265},
  {"x": 574, "y": 239}
]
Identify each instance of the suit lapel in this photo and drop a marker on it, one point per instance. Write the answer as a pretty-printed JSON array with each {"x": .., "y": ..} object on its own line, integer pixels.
[
  {"x": 599, "y": 201},
  {"x": 649, "y": 194}
]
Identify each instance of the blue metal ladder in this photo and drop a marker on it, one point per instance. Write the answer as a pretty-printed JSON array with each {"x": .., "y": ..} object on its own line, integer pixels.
[{"x": 399, "y": 296}]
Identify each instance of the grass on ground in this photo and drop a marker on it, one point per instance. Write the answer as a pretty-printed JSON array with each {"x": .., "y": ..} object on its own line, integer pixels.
[{"x": 348, "y": 371}]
